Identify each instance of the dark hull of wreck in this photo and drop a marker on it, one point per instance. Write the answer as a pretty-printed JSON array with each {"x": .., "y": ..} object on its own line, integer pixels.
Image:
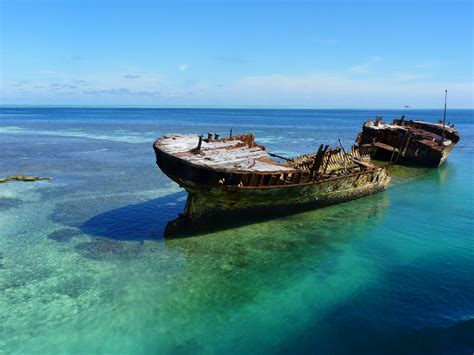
[
  {"x": 415, "y": 155},
  {"x": 209, "y": 202},
  {"x": 414, "y": 147}
]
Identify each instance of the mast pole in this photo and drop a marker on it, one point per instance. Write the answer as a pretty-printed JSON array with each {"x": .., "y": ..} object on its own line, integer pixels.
[{"x": 444, "y": 115}]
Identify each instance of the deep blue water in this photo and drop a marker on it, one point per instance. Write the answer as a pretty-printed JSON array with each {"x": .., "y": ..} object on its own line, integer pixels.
[{"x": 84, "y": 267}]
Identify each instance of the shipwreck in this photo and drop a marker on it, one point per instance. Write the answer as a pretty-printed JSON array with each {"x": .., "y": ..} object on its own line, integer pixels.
[
  {"x": 408, "y": 142},
  {"x": 236, "y": 176}
]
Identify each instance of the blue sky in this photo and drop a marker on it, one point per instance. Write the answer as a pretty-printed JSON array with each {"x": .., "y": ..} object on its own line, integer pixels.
[{"x": 345, "y": 54}]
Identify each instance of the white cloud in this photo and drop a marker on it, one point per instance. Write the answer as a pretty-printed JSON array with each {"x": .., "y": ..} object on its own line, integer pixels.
[
  {"x": 308, "y": 89},
  {"x": 183, "y": 67},
  {"x": 365, "y": 67},
  {"x": 92, "y": 87}
]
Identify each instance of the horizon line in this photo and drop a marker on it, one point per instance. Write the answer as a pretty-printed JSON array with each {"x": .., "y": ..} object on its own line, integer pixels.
[{"x": 248, "y": 107}]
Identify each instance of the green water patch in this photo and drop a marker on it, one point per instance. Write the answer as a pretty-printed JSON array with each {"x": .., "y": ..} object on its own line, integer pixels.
[
  {"x": 403, "y": 174},
  {"x": 266, "y": 272}
]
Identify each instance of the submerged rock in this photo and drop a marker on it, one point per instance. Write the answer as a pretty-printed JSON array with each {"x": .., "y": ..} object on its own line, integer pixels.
[
  {"x": 107, "y": 249},
  {"x": 64, "y": 235},
  {"x": 24, "y": 178}
]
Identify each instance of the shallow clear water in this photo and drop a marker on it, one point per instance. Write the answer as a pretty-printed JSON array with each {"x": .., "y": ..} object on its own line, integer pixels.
[{"x": 84, "y": 267}]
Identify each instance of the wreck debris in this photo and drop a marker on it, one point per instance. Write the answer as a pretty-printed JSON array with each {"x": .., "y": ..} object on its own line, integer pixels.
[
  {"x": 408, "y": 142},
  {"x": 24, "y": 178},
  {"x": 237, "y": 174}
]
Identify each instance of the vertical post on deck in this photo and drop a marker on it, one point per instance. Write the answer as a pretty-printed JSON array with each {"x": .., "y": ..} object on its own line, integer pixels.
[
  {"x": 444, "y": 115},
  {"x": 199, "y": 143}
]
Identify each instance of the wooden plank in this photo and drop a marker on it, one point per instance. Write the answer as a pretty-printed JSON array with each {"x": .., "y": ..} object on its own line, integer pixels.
[{"x": 385, "y": 147}]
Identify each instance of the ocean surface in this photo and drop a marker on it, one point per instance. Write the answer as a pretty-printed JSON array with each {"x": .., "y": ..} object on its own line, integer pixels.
[{"x": 84, "y": 267}]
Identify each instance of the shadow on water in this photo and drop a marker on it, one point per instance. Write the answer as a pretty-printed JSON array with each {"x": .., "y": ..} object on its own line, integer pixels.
[
  {"x": 148, "y": 220},
  {"x": 453, "y": 339},
  {"x": 136, "y": 222},
  {"x": 145, "y": 221},
  {"x": 456, "y": 338}
]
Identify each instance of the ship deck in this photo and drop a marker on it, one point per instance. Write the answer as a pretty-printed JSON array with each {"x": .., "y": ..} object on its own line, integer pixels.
[
  {"x": 433, "y": 140},
  {"x": 234, "y": 155}
]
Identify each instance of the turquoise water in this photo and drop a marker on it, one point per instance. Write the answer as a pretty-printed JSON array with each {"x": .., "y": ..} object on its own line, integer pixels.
[{"x": 84, "y": 267}]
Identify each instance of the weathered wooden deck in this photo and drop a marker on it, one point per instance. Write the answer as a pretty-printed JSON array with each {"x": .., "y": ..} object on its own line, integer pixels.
[{"x": 233, "y": 155}]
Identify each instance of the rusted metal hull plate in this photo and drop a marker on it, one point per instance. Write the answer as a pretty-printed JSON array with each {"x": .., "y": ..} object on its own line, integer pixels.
[
  {"x": 203, "y": 206},
  {"x": 203, "y": 200}
]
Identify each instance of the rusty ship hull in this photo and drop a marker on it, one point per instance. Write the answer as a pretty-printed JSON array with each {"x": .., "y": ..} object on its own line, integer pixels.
[
  {"x": 236, "y": 177},
  {"x": 415, "y": 143}
]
